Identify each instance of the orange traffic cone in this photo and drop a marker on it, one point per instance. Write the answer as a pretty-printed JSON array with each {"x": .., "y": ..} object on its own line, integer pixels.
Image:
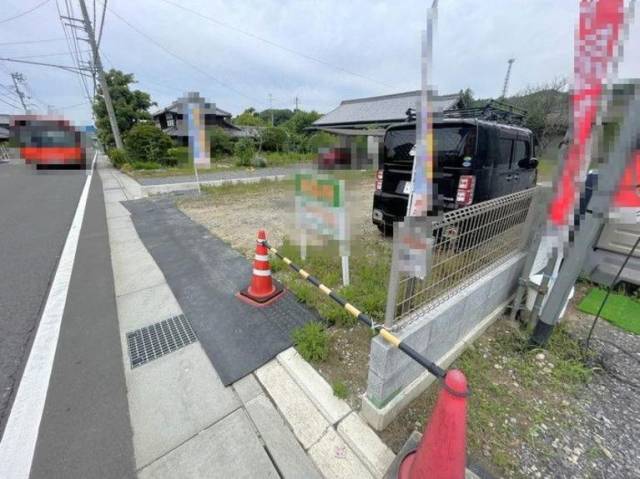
[
  {"x": 262, "y": 290},
  {"x": 441, "y": 453}
]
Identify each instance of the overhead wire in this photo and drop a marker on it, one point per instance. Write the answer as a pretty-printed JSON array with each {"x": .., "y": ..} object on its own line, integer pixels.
[
  {"x": 276, "y": 45},
  {"x": 183, "y": 60},
  {"x": 26, "y": 12}
]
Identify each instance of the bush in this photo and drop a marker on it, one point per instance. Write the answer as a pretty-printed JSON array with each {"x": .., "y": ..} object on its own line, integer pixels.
[
  {"x": 147, "y": 143},
  {"x": 178, "y": 156},
  {"x": 311, "y": 341},
  {"x": 244, "y": 151},
  {"x": 220, "y": 142},
  {"x": 118, "y": 157},
  {"x": 273, "y": 138}
]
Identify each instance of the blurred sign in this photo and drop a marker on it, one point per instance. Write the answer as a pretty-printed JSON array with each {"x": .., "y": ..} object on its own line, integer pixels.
[
  {"x": 414, "y": 243},
  {"x": 198, "y": 143},
  {"x": 320, "y": 211}
]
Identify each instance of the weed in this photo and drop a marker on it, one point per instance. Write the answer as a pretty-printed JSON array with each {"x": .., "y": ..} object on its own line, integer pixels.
[
  {"x": 340, "y": 390},
  {"x": 311, "y": 341}
]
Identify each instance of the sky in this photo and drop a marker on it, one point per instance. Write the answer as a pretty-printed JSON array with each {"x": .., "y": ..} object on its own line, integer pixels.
[{"x": 321, "y": 52}]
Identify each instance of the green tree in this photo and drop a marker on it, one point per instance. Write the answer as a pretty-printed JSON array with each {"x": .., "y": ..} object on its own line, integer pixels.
[
  {"x": 249, "y": 117},
  {"x": 244, "y": 150},
  {"x": 273, "y": 138},
  {"x": 301, "y": 120},
  {"x": 146, "y": 142},
  {"x": 279, "y": 116},
  {"x": 220, "y": 142},
  {"x": 130, "y": 106}
]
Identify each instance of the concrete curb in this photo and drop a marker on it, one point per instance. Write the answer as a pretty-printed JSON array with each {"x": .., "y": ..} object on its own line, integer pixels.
[
  {"x": 150, "y": 190},
  {"x": 346, "y": 431}
]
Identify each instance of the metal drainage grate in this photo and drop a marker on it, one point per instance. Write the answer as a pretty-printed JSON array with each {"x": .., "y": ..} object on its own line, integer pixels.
[{"x": 151, "y": 342}]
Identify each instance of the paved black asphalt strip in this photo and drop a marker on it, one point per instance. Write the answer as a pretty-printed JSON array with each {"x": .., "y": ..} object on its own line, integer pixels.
[
  {"x": 204, "y": 274},
  {"x": 85, "y": 430}
]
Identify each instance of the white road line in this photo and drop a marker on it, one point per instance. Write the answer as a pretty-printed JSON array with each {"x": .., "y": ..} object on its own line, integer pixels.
[{"x": 21, "y": 433}]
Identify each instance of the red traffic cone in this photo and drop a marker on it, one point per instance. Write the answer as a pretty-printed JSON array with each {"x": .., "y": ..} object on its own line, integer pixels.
[
  {"x": 441, "y": 453},
  {"x": 262, "y": 289}
]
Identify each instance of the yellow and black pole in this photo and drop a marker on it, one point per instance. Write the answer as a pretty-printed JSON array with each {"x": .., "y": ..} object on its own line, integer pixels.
[{"x": 432, "y": 367}]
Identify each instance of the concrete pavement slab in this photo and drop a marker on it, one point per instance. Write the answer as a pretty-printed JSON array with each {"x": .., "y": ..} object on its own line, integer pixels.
[
  {"x": 114, "y": 196},
  {"x": 116, "y": 210},
  {"x": 335, "y": 459},
  {"x": 172, "y": 399},
  {"x": 146, "y": 306},
  {"x": 228, "y": 449},
  {"x": 133, "y": 268},
  {"x": 285, "y": 450},
  {"x": 305, "y": 420},
  {"x": 314, "y": 385},
  {"x": 247, "y": 388},
  {"x": 366, "y": 444}
]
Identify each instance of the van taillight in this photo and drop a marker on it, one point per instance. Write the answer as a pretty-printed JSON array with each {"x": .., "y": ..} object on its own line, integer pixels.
[
  {"x": 379, "y": 176},
  {"x": 466, "y": 186}
]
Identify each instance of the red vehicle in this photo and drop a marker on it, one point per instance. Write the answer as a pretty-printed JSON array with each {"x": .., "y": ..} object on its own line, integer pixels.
[{"x": 49, "y": 141}]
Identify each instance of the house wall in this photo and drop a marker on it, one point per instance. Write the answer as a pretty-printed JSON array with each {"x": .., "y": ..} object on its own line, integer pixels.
[{"x": 441, "y": 335}]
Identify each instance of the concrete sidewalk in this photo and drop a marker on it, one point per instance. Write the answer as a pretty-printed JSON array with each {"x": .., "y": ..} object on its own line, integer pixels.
[{"x": 280, "y": 421}]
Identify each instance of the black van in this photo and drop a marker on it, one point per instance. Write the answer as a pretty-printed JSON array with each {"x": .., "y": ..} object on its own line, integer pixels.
[{"x": 475, "y": 160}]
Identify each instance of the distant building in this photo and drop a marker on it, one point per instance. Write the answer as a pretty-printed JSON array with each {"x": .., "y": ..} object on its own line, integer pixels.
[
  {"x": 4, "y": 127},
  {"x": 371, "y": 115},
  {"x": 171, "y": 121}
]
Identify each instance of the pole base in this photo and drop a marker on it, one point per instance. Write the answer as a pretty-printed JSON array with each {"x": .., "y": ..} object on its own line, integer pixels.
[{"x": 541, "y": 334}]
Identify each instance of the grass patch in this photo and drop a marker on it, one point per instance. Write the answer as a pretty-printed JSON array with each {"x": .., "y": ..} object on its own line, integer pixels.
[
  {"x": 226, "y": 163},
  {"x": 518, "y": 396},
  {"x": 340, "y": 390},
  {"x": 311, "y": 341},
  {"x": 518, "y": 393},
  {"x": 620, "y": 310},
  {"x": 369, "y": 274}
]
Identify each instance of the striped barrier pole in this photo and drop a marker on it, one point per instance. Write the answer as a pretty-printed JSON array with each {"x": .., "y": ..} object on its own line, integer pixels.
[{"x": 430, "y": 366}]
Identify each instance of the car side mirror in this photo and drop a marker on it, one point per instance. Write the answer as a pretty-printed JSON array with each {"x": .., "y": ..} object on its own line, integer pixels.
[{"x": 528, "y": 164}]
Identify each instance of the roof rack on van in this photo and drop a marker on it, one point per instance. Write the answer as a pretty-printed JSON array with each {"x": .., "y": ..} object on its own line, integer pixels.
[{"x": 494, "y": 110}]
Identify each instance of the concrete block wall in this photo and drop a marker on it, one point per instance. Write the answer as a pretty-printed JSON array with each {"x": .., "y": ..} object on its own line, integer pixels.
[{"x": 435, "y": 335}]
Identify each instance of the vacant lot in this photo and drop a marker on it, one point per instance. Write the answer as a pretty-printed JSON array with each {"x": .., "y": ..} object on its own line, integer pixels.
[{"x": 532, "y": 413}]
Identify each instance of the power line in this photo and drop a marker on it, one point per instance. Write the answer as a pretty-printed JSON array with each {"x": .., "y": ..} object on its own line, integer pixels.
[
  {"x": 69, "y": 68},
  {"x": 277, "y": 45},
  {"x": 25, "y": 12},
  {"x": 46, "y": 40},
  {"x": 178, "y": 57},
  {"x": 43, "y": 55},
  {"x": 10, "y": 104}
]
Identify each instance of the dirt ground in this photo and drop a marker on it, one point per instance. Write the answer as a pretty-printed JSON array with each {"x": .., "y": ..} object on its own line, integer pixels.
[{"x": 236, "y": 213}]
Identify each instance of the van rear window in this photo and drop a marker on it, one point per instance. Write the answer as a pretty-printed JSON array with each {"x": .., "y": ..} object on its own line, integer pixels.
[{"x": 452, "y": 145}]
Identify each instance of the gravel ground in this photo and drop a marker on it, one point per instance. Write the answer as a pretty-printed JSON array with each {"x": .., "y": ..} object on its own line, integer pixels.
[{"x": 602, "y": 438}]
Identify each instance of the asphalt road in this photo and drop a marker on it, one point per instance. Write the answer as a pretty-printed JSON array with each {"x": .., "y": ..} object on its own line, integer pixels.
[{"x": 36, "y": 210}]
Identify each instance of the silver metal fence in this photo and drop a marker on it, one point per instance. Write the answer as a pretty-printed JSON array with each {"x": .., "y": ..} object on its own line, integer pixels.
[{"x": 467, "y": 241}]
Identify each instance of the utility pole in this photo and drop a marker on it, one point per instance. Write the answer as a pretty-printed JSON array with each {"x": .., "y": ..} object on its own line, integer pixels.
[
  {"x": 101, "y": 76},
  {"x": 506, "y": 78},
  {"x": 296, "y": 104},
  {"x": 17, "y": 77},
  {"x": 271, "y": 107}
]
